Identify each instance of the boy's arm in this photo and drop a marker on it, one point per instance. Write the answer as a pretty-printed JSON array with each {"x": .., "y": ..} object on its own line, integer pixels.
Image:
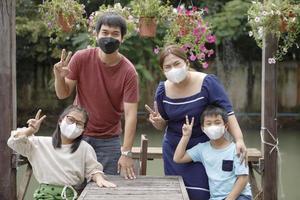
[
  {"x": 238, "y": 187},
  {"x": 180, "y": 155}
]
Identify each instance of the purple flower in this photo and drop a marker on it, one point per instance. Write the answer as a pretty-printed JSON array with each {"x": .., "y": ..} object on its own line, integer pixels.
[
  {"x": 201, "y": 56},
  {"x": 203, "y": 48},
  {"x": 210, "y": 52}
]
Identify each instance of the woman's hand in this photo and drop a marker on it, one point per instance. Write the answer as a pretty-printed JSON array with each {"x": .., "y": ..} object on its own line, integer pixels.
[
  {"x": 187, "y": 127},
  {"x": 241, "y": 151},
  {"x": 155, "y": 118}
]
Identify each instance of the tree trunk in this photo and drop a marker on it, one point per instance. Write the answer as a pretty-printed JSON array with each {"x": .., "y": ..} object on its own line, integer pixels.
[{"x": 8, "y": 97}]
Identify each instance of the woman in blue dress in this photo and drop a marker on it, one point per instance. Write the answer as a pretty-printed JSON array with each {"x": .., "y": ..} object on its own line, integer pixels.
[{"x": 188, "y": 93}]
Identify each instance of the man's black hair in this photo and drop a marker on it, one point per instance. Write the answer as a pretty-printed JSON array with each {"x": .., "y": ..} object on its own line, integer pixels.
[{"x": 112, "y": 19}]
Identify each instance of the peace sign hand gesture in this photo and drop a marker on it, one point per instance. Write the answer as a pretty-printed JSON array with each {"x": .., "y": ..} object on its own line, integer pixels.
[
  {"x": 187, "y": 127},
  {"x": 34, "y": 124},
  {"x": 155, "y": 118},
  {"x": 61, "y": 68}
]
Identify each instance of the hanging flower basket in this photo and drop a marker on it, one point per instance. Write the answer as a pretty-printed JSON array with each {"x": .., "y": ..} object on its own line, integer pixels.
[
  {"x": 66, "y": 23},
  {"x": 192, "y": 33},
  {"x": 280, "y": 18},
  {"x": 147, "y": 26}
]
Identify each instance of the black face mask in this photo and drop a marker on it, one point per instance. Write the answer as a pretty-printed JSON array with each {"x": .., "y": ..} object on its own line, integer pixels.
[{"x": 108, "y": 44}]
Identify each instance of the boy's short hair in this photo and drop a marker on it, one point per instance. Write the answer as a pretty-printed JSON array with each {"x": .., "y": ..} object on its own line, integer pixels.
[
  {"x": 112, "y": 19},
  {"x": 214, "y": 110}
]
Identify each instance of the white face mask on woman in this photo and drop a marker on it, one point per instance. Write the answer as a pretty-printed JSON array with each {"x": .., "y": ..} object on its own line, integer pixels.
[
  {"x": 176, "y": 75},
  {"x": 214, "y": 132},
  {"x": 70, "y": 131}
]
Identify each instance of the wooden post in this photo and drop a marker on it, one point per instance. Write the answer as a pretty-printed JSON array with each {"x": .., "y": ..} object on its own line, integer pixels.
[
  {"x": 143, "y": 154},
  {"x": 7, "y": 97},
  {"x": 269, "y": 118}
]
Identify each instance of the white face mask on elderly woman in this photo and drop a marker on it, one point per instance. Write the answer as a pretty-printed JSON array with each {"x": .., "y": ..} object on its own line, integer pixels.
[
  {"x": 176, "y": 75},
  {"x": 70, "y": 131}
]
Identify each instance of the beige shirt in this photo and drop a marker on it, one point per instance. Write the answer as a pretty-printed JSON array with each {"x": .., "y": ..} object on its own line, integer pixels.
[{"x": 57, "y": 166}]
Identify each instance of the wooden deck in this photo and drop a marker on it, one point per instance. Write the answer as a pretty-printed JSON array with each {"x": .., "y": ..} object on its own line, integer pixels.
[{"x": 142, "y": 188}]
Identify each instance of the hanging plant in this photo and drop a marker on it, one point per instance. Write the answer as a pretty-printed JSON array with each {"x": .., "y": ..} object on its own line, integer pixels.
[
  {"x": 189, "y": 30},
  {"x": 62, "y": 15},
  {"x": 150, "y": 13},
  {"x": 280, "y": 18}
]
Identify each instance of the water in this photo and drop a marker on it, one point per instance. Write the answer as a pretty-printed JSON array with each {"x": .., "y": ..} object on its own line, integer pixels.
[{"x": 288, "y": 144}]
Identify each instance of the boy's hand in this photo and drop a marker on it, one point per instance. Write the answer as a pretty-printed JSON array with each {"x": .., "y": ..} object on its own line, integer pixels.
[{"x": 187, "y": 127}]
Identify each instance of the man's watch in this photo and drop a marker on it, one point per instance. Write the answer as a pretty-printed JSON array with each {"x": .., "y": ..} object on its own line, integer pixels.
[{"x": 126, "y": 153}]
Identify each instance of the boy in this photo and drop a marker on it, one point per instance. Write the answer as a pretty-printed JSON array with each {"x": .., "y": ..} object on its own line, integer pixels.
[{"x": 227, "y": 176}]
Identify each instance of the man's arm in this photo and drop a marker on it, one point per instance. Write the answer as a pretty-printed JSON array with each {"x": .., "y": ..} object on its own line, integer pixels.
[
  {"x": 64, "y": 87},
  {"x": 126, "y": 163},
  {"x": 238, "y": 187}
]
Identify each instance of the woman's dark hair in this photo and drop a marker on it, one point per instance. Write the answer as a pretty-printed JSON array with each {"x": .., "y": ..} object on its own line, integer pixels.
[
  {"x": 56, "y": 137},
  {"x": 112, "y": 19},
  {"x": 174, "y": 50},
  {"x": 214, "y": 110}
]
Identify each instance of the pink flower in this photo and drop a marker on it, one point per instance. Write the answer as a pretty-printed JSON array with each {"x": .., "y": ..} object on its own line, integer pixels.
[
  {"x": 210, "y": 52},
  {"x": 205, "y": 65},
  {"x": 193, "y": 57},
  {"x": 201, "y": 56},
  {"x": 211, "y": 38},
  {"x": 203, "y": 48},
  {"x": 156, "y": 50},
  {"x": 206, "y": 9}
]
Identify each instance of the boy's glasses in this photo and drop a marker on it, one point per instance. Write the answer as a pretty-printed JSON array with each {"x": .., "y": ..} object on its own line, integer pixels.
[{"x": 72, "y": 120}]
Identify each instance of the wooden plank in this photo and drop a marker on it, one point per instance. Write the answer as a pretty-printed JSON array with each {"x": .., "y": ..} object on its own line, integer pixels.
[
  {"x": 25, "y": 182},
  {"x": 8, "y": 97},
  {"x": 156, "y": 153},
  {"x": 144, "y": 187}
]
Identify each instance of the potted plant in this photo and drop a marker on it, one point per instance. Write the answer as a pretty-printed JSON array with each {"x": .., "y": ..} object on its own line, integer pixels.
[
  {"x": 150, "y": 12},
  {"x": 189, "y": 30},
  {"x": 280, "y": 18},
  {"x": 62, "y": 15},
  {"x": 117, "y": 8}
]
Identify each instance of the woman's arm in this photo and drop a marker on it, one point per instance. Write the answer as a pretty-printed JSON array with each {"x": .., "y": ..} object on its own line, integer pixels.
[{"x": 235, "y": 131}]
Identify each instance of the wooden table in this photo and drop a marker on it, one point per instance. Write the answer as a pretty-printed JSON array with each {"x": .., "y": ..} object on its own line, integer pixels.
[{"x": 142, "y": 188}]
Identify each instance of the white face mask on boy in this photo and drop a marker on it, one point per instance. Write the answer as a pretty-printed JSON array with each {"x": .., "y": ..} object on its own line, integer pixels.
[
  {"x": 70, "y": 131},
  {"x": 214, "y": 132},
  {"x": 176, "y": 75}
]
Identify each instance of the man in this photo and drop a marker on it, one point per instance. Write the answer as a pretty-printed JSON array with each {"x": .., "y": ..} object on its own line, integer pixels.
[{"x": 106, "y": 86}]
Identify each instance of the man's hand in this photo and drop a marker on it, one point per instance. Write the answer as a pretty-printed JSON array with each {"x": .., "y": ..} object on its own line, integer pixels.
[
  {"x": 155, "y": 118},
  {"x": 125, "y": 167},
  {"x": 61, "y": 68}
]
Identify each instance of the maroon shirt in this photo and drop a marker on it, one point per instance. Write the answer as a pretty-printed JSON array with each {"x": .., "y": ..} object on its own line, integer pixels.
[{"x": 102, "y": 90}]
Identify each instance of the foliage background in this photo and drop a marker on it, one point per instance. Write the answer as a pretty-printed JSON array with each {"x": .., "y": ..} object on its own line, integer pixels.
[{"x": 36, "y": 55}]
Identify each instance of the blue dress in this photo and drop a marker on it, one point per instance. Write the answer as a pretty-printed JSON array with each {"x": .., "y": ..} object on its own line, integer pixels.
[{"x": 174, "y": 111}]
